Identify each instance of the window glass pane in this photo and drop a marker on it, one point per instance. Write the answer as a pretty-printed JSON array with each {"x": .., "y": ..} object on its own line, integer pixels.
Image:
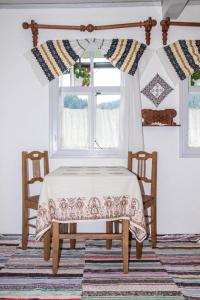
[
  {"x": 107, "y": 121},
  {"x": 194, "y": 121},
  {"x": 195, "y": 78},
  {"x": 85, "y": 60},
  {"x": 105, "y": 74},
  {"x": 101, "y": 60},
  {"x": 74, "y": 122},
  {"x": 64, "y": 80}
]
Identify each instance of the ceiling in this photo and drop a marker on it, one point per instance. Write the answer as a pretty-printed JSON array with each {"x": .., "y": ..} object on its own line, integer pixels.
[
  {"x": 170, "y": 8},
  {"x": 80, "y": 2},
  {"x": 92, "y": 2}
]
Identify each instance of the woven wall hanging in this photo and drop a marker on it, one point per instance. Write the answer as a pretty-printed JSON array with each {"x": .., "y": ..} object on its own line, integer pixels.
[
  {"x": 180, "y": 59},
  {"x": 52, "y": 58}
]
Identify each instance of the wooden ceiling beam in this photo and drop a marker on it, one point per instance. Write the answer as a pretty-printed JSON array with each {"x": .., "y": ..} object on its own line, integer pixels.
[
  {"x": 173, "y": 8},
  {"x": 75, "y": 3}
]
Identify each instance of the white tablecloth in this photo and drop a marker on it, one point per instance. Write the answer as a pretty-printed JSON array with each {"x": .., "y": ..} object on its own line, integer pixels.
[{"x": 72, "y": 194}]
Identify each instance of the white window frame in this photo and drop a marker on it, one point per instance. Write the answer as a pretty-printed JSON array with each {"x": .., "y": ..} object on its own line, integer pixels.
[
  {"x": 185, "y": 89},
  {"x": 55, "y": 151}
]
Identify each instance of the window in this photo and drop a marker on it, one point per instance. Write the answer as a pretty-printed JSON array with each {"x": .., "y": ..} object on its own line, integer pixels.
[
  {"x": 85, "y": 110},
  {"x": 190, "y": 116}
]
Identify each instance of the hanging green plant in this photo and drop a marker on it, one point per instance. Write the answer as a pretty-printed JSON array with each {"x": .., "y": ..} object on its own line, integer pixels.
[
  {"x": 195, "y": 76},
  {"x": 82, "y": 72}
]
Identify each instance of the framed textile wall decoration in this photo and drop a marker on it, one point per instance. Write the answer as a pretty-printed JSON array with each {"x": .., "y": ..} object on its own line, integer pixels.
[{"x": 157, "y": 89}]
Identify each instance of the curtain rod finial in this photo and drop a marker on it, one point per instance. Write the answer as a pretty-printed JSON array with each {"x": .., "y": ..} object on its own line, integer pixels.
[
  {"x": 25, "y": 25},
  {"x": 165, "y": 24}
]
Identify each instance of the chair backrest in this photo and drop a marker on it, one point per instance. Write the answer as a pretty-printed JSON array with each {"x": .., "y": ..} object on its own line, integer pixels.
[
  {"x": 35, "y": 165},
  {"x": 137, "y": 163}
]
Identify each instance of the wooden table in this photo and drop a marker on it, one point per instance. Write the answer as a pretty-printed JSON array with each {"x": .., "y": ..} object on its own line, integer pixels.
[{"x": 79, "y": 194}]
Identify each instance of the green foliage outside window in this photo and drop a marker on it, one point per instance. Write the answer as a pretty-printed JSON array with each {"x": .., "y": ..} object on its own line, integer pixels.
[
  {"x": 81, "y": 72},
  {"x": 195, "y": 76},
  {"x": 76, "y": 102}
]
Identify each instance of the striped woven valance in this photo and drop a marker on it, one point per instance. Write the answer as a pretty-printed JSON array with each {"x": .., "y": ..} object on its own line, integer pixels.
[
  {"x": 53, "y": 58},
  {"x": 180, "y": 59}
]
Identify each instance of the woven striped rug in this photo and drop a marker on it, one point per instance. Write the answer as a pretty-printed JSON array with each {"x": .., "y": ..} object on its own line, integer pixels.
[
  {"x": 103, "y": 277},
  {"x": 8, "y": 246},
  {"x": 180, "y": 256},
  {"x": 27, "y": 276},
  {"x": 93, "y": 272}
]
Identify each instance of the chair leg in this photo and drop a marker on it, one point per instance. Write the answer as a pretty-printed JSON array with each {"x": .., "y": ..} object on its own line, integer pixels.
[
  {"x": 153, "y": 226},
  {"x": 138, "y": 250},
  {"x": 25, "y": 227},
  {"x": 125, "y": 244},
  {"x": 73, "y": 228},
  {"x": 56, "y": 247},
  {"x": 116, "y": 223},
  {"x": 47, "y": 245},
  {"x": 63, "y": 228},
  {"x": 109, "y": 229}
]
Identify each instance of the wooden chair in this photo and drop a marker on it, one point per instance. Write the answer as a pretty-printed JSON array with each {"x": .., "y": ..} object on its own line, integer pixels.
[
  {"x": 147, "y": 175},
  {"x": 35, "y": 165}
]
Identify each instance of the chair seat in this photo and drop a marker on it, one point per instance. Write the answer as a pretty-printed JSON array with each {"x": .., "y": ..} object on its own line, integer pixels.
[
  {"x": 147, "y": 200},
  {"x": 33, "y": 202}
]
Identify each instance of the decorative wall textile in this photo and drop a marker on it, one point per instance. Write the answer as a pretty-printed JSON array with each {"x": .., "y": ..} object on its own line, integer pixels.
[
  {"x": 53, "y": 58},
  {"x": 157, "y": 89},
  {"x": 180, "y": 59}
]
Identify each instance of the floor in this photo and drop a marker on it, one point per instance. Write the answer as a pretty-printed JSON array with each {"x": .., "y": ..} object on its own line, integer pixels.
[{"x": 171, "y": 271}]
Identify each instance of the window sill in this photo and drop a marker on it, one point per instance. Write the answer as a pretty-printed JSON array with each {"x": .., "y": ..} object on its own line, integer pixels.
[
  {"x": 86, "y": 155},
  {"x": 190, "y": 153},
  {"x": 161, "y": 125}
]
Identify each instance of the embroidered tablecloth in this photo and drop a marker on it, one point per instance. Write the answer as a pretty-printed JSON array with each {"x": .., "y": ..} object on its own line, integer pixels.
[{"x": 75, "y": 194}]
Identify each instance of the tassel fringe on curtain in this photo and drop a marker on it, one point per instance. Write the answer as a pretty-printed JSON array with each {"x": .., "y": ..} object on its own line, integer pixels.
[{"x": 52, "y": 58}]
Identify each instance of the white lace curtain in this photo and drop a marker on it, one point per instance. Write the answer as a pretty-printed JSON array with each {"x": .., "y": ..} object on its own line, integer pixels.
[{"x": 131, "y": 136}]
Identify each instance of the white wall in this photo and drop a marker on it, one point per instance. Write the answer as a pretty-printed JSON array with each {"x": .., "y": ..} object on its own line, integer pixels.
[{"x": 24, "y": 112}]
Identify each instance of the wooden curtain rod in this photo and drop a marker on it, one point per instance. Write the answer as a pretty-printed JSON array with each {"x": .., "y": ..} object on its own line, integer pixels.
[
  {"x": 147, "y": 24},
  {"x": 166, "y": 23}
]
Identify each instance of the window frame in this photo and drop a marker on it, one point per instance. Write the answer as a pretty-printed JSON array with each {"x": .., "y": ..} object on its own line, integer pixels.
[
  {"x": 185, "y": 89},
  {"x": 54, "y": 106}
]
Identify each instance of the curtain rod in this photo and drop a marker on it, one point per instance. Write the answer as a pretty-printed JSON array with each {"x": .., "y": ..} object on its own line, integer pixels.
[
  {"x": 166, "y": 23},
  {"x": 147, "y": 24}
]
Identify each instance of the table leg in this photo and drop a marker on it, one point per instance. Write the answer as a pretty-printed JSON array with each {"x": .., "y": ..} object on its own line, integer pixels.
[
  {"x": 47, "y": 245},
  {"x": 56, "y": 247},
  {"x": 125, "y": 244}
]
